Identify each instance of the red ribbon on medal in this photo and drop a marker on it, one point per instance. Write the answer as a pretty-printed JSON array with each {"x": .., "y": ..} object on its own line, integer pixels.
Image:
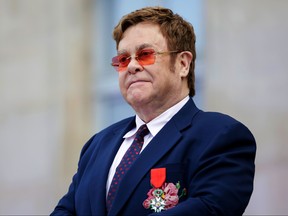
[{"x": 158, "y": 177}]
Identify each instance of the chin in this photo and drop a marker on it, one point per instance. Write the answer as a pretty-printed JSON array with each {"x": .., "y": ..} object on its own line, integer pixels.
[{"x": 136, "y": 100}]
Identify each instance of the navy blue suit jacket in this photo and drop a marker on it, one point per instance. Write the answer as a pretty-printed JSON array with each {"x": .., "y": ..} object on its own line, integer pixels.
[{"x": 210, "y": 154}]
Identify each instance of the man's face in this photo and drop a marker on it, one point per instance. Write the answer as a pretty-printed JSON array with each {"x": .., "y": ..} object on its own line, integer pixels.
[{"x": 154, "y": 86}]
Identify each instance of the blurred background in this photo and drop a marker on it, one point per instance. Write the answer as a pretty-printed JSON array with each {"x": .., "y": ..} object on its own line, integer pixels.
[{"x": 57, "y": 88}]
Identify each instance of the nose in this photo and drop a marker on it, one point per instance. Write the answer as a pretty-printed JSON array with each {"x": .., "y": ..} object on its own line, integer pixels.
[{"x": 134, "y": 66}]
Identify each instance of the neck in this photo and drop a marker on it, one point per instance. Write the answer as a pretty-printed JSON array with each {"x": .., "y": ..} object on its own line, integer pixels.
[{"x": 151, "y": 111}]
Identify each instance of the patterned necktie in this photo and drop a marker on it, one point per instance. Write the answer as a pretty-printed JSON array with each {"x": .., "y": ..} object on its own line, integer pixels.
[{"x": 126, "y": 162}]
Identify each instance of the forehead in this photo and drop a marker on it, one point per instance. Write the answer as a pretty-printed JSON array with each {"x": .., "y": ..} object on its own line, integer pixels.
[{"x": 142, "y": 34}]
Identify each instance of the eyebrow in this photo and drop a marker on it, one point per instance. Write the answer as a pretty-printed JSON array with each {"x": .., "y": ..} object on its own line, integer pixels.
[{"x": 140, "y": 47}]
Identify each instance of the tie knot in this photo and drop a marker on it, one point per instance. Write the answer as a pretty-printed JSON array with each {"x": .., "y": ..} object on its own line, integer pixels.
[{"x": 142, "y": 131}]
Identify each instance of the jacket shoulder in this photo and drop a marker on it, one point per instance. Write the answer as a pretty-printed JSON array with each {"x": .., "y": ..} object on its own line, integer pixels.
[{"x": 215, "y": 118}]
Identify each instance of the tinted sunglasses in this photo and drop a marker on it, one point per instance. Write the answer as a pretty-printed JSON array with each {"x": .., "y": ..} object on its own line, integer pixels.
[{"x": 144, "y": 57}]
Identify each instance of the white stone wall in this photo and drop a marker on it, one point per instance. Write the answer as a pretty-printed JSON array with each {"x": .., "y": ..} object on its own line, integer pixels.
[{"x": 44, "y": 100}]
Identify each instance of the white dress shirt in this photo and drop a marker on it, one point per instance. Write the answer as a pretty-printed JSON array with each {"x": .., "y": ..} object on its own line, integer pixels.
[{"x": 154, "y": 127}]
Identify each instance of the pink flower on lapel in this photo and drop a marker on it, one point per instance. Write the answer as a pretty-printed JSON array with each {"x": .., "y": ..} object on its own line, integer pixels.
[
  {"x": 171, "y": 195},
  {"x": 163, "y": 198},
  {"x": 146, "y": 203}
]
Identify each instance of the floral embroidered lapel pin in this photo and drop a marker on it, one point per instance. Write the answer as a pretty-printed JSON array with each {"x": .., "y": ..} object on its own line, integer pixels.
[{"x": 162, "y": 195}]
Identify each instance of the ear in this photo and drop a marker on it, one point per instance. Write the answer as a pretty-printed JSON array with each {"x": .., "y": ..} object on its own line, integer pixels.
[{"x": 185, "y": 60}]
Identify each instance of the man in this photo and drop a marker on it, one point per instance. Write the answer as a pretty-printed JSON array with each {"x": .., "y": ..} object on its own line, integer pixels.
[{"x": 191, "y": 162}]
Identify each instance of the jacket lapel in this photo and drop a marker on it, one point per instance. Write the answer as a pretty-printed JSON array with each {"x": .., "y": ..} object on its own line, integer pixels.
[
  {"x": 109, "y": 147},
  {"x": 157, "y": 148}
]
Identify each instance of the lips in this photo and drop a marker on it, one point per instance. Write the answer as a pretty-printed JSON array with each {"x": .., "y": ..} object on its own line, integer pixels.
[{"x": 135, "y": 82}]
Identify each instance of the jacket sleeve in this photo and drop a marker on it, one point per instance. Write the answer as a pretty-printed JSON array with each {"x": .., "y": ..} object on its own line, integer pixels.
[{"x": 223, "y": 182}]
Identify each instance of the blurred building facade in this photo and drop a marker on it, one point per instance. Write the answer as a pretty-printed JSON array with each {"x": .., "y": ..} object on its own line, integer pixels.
[
  {"x": 45, "y": 113},
  {"x": 57, "y": 88}
]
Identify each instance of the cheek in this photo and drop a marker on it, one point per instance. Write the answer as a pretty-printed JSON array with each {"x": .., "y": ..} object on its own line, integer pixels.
[
  {"x": 160, "y": 81},
  {"x": 121, "y": 82}
]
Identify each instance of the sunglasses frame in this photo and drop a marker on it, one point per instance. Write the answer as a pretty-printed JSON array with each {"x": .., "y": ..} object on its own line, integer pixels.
[{"x": 116, "y": 64}]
